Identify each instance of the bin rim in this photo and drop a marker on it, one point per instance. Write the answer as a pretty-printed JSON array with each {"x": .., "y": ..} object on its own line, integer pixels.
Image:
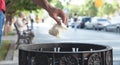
[{"x": 101, "y": 50}]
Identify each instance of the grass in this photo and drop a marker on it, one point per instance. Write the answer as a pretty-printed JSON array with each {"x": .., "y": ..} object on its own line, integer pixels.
[
  {"x": 10, "y": 33},
  {"x": 4, "y": 49}
]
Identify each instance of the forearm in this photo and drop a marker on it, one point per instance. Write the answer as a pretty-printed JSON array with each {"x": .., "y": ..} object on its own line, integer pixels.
[{"x": 44, "y": 4}]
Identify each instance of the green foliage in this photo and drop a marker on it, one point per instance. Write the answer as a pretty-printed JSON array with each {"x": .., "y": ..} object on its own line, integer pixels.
[
  {"x": 84, "y": 10},
  {"x": 15, "y": 5},
  {"x": 4, "y": 49},
  {"x": 59, "y": 5},
  {"x": 90, "y": 10},
  {"x": 10, "y": 33},
  {"x": 19, "y": 5},
  {"x": 108, "y": 9},
  {"x": 75, "y": 9},
  {"x": 115, "y": 5}
]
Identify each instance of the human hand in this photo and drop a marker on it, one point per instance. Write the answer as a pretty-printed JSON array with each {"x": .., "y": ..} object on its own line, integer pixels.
[{"x": 55, "y": 13}]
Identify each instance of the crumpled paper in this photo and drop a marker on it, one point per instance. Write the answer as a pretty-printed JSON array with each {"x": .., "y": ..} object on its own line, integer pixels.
[{"x": 57, "y": 29}]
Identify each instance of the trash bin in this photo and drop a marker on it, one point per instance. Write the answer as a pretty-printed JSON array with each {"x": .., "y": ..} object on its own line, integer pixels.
[{"x": 65, "y": 54}]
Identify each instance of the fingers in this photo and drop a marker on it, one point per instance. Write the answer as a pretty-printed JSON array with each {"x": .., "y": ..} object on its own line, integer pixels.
[
  {"x": 59, "y": 13},
  {"x": 64, "y": 19},
  {"x": 57, "y": 20}
]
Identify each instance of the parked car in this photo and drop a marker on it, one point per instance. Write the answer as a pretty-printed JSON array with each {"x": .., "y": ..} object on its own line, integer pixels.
[
  {"x": 97, "y": 23},
  {"x": 115, "y": 25},
  {"x": 89, "y": 25},
  {"x": 84, "y": 21},
  {"x": 101, "y": 23}
]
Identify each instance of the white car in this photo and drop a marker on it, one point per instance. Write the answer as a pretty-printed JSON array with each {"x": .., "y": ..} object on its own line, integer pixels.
[
  {"x": 89, "y": 25},
  {"x": 115, "y": 25},
  {"x": 97, "y": 23},
  {"x": 101, "y": 23}
]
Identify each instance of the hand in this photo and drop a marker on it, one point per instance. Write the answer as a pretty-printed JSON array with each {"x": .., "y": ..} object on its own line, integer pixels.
[{"x": 55, "y": 13}]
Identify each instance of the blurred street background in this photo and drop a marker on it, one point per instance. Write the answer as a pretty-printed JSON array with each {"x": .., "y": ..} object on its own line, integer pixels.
[{"x": 97, "y": 22}]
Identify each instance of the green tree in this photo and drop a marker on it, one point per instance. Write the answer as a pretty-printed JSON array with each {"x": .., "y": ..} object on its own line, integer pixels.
[
  {"x": 115, "y": 5},
  {"x": 107, "y": 9},
  {"x": 73, "y": 9},
  {"x": 59, "y": 5},
  {"x": 90, "y": 8},
  {"x": 87, "y": 9}
]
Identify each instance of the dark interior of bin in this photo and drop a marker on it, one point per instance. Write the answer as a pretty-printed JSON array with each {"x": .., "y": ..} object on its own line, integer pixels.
[{"x": 63, "y": 47}]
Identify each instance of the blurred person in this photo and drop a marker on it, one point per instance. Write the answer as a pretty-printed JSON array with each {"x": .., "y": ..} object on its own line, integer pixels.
[
  {"x": 21, "y": 23},
  {"x": 37, "y": 19},
  {"x": 43, "y": 20},
  {"x": 2, "y": 17},
  {"x": 32, "y": 19},
  {"x": 75, "y": 18}
]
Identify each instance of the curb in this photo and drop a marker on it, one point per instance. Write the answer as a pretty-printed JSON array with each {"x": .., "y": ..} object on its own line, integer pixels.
[
  {"x": 8, "y": 63},
  {"x": 10, "y": 53}
]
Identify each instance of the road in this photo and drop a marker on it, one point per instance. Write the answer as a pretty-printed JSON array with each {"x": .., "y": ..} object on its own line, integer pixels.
[{"x": 81, "y": 36}]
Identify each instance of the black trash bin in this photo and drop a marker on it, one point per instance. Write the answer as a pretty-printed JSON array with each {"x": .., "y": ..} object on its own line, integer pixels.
[{"x": 65, "y": 54}]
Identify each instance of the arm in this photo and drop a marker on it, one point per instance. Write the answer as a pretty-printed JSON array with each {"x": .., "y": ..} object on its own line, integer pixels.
[{"x": 53, "y": 12}]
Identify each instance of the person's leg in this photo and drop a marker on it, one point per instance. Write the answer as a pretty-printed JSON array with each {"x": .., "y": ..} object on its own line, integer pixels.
[
  {"x": 75, "y": 26},
  {"x": 1, "y": 25},
  {"x": 32, "y": 24}
]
